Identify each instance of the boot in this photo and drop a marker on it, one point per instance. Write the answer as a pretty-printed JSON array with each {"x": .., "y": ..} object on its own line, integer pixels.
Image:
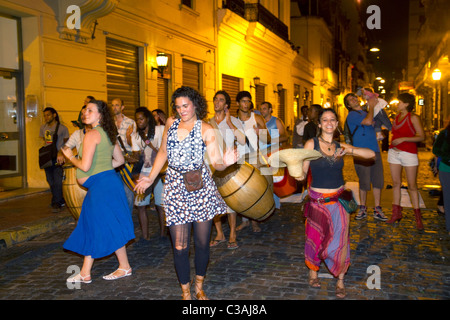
[
  {"x": 418, "y": 216},
  {"x": 396, "y": 214}
]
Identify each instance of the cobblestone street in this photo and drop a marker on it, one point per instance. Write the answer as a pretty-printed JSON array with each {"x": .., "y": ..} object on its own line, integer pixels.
[{"x": 269, "y": 265}]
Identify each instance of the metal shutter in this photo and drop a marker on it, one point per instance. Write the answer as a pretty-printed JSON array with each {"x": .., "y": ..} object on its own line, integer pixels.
[
  {"x": 260, "y": 96},
  {"x": 163, "y": 95},
  {"x": 231, "y": 85},
  {"x": 282, "y": 106},
  {"x": 191, "y": 74},
  {"x": 122, "y": 74}
]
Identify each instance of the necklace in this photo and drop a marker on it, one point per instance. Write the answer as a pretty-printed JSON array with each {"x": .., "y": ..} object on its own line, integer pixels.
[{"x": 329, "y": 144}]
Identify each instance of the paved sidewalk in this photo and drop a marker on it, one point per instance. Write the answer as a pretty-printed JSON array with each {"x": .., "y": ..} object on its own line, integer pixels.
[{"x": 411, "y": 265}]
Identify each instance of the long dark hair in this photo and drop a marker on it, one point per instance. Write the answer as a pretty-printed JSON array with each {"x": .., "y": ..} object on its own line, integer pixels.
[
  {"x": 201, "y": 109},
  {"x": 106, "y": 120},
  {"x": 151, "y": 123}
]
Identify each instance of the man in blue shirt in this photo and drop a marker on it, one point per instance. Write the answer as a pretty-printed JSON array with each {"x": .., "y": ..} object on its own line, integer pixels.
[{"x": 370, "y": 172}]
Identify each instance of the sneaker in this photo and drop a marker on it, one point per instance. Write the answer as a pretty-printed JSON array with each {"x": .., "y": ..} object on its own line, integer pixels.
[
  {"x": 379, "y": 214},
  {"x": 362, "y": 213}
]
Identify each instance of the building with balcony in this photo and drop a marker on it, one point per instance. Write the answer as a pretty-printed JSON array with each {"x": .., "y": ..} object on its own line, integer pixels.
[
  {"x": 428, "y": 65},
  {"x": 57, "y": 52}
]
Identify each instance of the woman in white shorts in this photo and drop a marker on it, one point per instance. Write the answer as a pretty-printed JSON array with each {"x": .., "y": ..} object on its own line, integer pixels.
[{"x": 407, "y": 130}]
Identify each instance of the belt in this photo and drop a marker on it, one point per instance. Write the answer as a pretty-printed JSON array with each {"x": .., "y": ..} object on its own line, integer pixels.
[{"x": 327, "y": 199}]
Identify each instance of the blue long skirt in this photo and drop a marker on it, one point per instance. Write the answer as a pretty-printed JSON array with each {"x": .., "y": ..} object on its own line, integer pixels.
[{"x": 105, "y": 222}]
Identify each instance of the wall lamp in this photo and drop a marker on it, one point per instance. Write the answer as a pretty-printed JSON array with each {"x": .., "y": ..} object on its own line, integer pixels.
[
  {"x": 436, "y": 75},
  {"x": 279, "y": 88},
  {"x": 256, "y": 81},
  {"x": 161, "y": 60}
]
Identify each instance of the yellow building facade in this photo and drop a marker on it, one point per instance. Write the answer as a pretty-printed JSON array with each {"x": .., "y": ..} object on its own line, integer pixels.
[{"x": 211, "y": 45}]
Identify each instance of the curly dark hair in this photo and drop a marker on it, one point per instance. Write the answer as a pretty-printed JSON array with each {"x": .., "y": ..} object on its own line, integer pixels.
[
  {"x": 199, "y": 102},
  {"x": 151, "y": 123},
  {"x": 106, "y": 120}
]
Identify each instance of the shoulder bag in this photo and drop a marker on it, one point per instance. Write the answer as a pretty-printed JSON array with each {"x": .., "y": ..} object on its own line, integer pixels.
[{"x": 48, "y": 153}]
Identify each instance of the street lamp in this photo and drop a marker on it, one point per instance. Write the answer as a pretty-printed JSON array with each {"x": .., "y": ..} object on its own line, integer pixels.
[
  {"x": 436, "y": 75},
  {"x": 161, "y": 61}
]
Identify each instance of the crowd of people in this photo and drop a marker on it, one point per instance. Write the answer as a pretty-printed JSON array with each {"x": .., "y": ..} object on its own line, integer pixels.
[{"x": 174, "y": 159}]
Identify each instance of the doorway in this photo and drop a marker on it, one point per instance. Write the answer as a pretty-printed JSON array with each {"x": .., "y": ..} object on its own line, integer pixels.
[{"x": 12, "y": 144}]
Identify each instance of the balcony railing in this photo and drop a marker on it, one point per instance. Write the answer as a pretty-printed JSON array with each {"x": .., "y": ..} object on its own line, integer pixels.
[
  {"x": 255, "y": 12},
  {"x": 237, "y": 6}
]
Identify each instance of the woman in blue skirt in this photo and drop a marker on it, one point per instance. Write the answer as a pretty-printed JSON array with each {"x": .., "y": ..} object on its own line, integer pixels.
[{"x": 105, "y": 225}]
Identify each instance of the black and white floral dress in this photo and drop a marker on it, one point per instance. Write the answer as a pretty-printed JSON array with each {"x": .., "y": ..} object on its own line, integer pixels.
[{"x": 182, "y": 206}]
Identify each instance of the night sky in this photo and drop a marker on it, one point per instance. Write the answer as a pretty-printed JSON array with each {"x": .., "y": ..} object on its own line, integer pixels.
[{"x": 392, "y": 38}]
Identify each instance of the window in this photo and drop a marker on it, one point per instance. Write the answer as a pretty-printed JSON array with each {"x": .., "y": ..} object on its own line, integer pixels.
[
  {"x": 231, "y": 85},
  {"x": 188, "y": 3},
  {"x": 122, "y": 74},
  {"x": 191, "y": 74}
]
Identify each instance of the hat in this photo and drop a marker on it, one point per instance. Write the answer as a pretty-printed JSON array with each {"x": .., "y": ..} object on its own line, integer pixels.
[{"x": 293, "y": 160}]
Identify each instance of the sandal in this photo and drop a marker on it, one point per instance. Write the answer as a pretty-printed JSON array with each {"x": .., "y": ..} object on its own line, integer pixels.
[
  {"x": 186, "y": 292},
  {"x": 216, "y": 242},
  {"x": 232, "y": 245},
  {"x": 78, "y": 278},
  {"x": 112, "y": 275},
  {"x": 200, "y": 295},
  {"x": 314, "y": 282},
  {"x": 340, "y": 291}
]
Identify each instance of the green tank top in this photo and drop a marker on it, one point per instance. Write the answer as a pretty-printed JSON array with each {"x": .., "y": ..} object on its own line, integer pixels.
[{"x": 102, "y": 156}]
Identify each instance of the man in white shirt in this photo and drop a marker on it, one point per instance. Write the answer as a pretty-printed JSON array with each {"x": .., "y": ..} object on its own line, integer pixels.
[
  {"x": 125, "y": 127},
  {"x": 229, "y": 129}
]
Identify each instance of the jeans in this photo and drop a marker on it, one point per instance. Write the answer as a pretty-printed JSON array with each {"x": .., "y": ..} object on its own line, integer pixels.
[{"x": 54, "y": 175}]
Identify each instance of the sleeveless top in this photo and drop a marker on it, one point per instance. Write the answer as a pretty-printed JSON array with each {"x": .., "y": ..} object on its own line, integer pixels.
[
  {"x": 187, "y": 154},
  {"x": 274, "y": 134},
  {"x": 102, "y": 160},
  {"x": 326, "y": 171},
  {"x": 404, "y": 128},
  {"x": 250, "y": 133}
]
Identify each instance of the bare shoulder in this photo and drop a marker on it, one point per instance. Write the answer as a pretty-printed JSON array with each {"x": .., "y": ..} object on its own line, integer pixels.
[{"x": 309, "y": 144}]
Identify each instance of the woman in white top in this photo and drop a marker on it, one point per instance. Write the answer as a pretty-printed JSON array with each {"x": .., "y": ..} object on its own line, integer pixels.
[{"x": 147, "y": 141}]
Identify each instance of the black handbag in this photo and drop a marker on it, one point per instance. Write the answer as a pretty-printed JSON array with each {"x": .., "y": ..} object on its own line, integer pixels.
[{"x": 48, "y": 154}]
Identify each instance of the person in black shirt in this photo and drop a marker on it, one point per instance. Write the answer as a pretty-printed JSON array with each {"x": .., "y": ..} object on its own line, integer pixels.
[{"x": 311, "y": 127}]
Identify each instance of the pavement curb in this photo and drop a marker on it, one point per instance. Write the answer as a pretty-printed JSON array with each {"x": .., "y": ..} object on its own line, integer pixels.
[{"x": 12, "y": 236}]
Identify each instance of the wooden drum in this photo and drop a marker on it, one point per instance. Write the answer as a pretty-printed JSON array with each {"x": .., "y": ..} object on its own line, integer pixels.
[
  {"x": 245, "y": 191},
  {"x": 283, "y": 183},
  {"x": 73, "y": 193}
]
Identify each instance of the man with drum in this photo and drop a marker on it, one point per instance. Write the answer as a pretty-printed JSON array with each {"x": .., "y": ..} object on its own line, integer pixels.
[
  {"x": 255, "y": 131},
  {"x": 125, "y": 127},
  {"x": 228, "y": 129}
]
